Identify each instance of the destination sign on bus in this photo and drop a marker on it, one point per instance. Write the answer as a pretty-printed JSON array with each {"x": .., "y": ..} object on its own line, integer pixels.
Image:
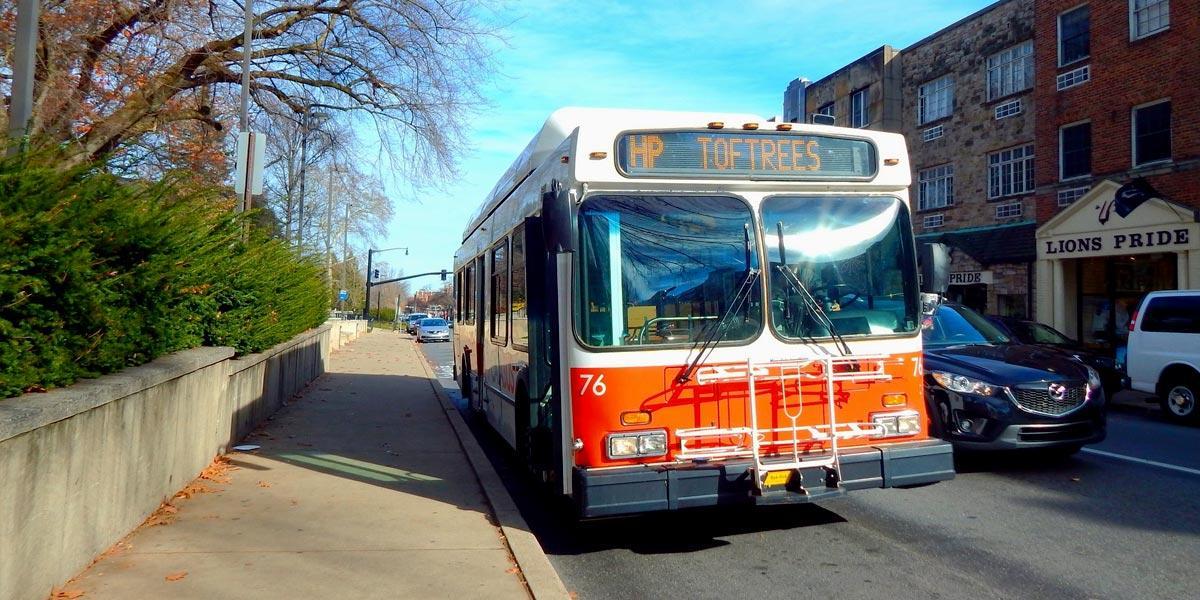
[{"x": 744, "y": 154}]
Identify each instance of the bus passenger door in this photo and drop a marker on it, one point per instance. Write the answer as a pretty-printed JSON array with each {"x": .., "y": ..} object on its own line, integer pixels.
[{"x": 477, "y": 352}]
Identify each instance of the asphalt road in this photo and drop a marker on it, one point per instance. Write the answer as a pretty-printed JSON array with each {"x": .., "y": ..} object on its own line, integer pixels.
[{"x": 1119, "y": 520}]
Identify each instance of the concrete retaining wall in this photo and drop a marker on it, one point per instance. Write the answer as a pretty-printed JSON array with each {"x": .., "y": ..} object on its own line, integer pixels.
[{"x": 82, "y": 466}]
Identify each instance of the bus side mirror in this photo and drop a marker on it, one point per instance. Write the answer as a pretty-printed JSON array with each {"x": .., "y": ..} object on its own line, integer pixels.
[
  {"x": 557, "y": 229},
  {"x": 934, "y": 262}
]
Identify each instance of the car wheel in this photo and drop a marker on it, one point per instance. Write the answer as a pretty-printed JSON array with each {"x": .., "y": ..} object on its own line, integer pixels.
[{"x": 1179, "y": 400}]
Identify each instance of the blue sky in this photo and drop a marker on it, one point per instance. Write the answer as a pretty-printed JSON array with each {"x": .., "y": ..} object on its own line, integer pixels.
[{"x": 669, "y": 55}]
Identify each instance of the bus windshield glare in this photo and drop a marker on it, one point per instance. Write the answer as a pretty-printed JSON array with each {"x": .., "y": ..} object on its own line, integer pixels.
[
  {"x": 658, "y": 270},
  {"x": 853, "y": 254}
]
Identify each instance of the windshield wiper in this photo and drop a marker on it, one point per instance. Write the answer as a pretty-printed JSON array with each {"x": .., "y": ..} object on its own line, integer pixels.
[
  {"x": 806, "y": 297},
  {"x": 714, "y": 335},
  {"x": 717, "y": 332}
]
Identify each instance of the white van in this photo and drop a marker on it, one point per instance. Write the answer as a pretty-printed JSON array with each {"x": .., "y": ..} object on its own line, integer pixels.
[{"x": 1164, "y": 351}]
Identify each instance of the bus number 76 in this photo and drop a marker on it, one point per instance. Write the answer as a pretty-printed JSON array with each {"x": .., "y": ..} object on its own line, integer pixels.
[{"x": 593, "y": 381}]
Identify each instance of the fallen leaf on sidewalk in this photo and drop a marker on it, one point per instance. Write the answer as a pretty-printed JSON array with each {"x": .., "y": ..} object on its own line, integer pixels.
[
  {"x": 264, "y": 484},
  {"x": 66, "y": 594},
  {"x": 193, "y": 488},
  {"x": 176, "y": 576},
  {"x": 218, "y": 471},
  {"x": 512, "y": 570},
  {"x": 164, "y": 515}
]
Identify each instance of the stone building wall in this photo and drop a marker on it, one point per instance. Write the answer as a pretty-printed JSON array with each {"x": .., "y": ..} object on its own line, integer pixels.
[
  {"x": 879, "y": 72},
  {"x": 971, "y": 131}
]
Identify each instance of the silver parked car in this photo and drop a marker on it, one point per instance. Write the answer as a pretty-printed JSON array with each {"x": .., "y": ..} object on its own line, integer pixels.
[{"x": 433, "y": 330}]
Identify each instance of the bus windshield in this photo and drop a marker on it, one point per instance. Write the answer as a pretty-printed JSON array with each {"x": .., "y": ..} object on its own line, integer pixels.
[
  {"x": 853, "y": 254},
  {"x": 658, "y": 270}
]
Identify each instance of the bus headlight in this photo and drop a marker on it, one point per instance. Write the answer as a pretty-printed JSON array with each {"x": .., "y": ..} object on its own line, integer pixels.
[
  {"x": 897, "y": 424},
  {"x": 637, "y": 444}
]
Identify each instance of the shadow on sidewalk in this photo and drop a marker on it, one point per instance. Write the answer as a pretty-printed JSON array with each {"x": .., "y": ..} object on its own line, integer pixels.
[{"x": 388, "y": 431}]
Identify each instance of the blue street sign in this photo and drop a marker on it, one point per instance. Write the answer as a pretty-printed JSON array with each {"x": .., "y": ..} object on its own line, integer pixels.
[{"x": 343, "y": 295}]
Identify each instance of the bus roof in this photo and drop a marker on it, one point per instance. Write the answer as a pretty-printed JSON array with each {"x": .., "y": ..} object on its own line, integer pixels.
[
  {"x": 601, "y": 125},
  {"x": 565, "y": 121}
]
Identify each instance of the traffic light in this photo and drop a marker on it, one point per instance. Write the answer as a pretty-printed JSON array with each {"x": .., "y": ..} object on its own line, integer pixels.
[
  {"x": 376, "y": 275},
  {"x": 443, "y": 274}
]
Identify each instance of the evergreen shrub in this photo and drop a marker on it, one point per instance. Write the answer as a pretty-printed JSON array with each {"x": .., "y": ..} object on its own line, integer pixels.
[{"x": 99, "y": 273}]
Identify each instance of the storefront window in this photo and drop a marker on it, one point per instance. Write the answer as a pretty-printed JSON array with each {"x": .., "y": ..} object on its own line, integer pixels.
[{"x": 1110, "y": 290}]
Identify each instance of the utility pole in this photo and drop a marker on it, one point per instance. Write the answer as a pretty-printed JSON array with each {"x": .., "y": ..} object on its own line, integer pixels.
[
  {"x": 303, "y": 176},
  {"x": 329, "y": 231},
  {"x": 24, "y": 67},
  {"x": 247, "y": 38}
]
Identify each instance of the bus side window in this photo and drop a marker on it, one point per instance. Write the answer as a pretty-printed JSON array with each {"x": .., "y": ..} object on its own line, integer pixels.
[
  {"x": 518, "y": 300},
  {"x": 458, "y": 276},
  {"x": 499, "y": 293},
  {"x": 468, "y": 296}
]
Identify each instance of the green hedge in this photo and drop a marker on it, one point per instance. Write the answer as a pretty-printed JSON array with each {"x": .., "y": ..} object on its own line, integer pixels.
[{"x": 99, "y": 273}]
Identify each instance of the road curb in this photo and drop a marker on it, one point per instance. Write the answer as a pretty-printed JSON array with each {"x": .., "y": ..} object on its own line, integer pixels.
[{"x": 543, "y": 581}]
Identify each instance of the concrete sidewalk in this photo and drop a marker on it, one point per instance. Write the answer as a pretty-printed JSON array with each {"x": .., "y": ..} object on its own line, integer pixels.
[{"x": 361, "y": 489}]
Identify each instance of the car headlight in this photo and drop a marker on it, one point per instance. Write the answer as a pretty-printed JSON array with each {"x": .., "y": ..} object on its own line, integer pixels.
[
  {"x": 1093, "y": 378},
  {"x": 963, "y": 384}
]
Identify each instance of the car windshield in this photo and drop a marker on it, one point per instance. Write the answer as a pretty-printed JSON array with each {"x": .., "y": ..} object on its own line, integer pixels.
[
  {"x": 1038, "y": 333},
  {"x": 954, "y": 325},
  {"x": 413, "y": 318},
  {"x": 433, "y": 322},
  {"x": 664, "y": 269},
  {"x": 855, "y": 256}
]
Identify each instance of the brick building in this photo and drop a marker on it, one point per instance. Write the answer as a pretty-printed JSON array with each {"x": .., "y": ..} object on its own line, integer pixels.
[
  {"x": 1118, "y": 99},
  {"x": 1023, "y": 120}
]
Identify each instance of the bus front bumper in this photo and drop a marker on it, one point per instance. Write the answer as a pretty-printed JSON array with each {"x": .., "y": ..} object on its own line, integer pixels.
[{"x": 637, "y": 489}]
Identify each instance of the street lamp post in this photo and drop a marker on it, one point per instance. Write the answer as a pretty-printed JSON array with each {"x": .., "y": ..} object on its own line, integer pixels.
[
  {"x": 370, "y": 256},
  {"x": 305, "y": 125}
]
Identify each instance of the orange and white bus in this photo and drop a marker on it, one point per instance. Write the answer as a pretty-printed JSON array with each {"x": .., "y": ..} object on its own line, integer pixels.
[{"x": 660, "y": 310}]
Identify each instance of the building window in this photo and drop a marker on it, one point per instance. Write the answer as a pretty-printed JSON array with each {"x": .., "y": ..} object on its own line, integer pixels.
[
  {"x": 936, "y": 99},
  {"x": 1074, "y": 77},
  {"x": 932, "y": 133},
  {"x": 1010, "y": 171},
  {"x": 1152, "y": 133},
  {"x": 1069, "y": 196},
  {"x": 859, "y": 116},
  {"x": 1074, "y": 32},
  {"x": 827, "y": 110},
  {"x": 1010, "y": 71},
  {"x": 1008, "y": 109},
  {"x": 519, "y": 297},
  {"x": 1075, "y": 150},
  {"x": 935, "y": 187},
  {"x": 1008, "y": 211},
  {"x": 934, "y": 221},
  {"x": 1147, "y": 17},
  {"x": 499, "y": 294}
]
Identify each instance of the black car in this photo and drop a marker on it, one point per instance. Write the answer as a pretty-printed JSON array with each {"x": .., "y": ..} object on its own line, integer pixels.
[
  {"x": 1040, "y": 334},
  {"x": 987, "y": 392}
]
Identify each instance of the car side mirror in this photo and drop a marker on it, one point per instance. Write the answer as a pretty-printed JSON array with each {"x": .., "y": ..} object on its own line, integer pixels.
[{"x": 934, "y": 263}]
